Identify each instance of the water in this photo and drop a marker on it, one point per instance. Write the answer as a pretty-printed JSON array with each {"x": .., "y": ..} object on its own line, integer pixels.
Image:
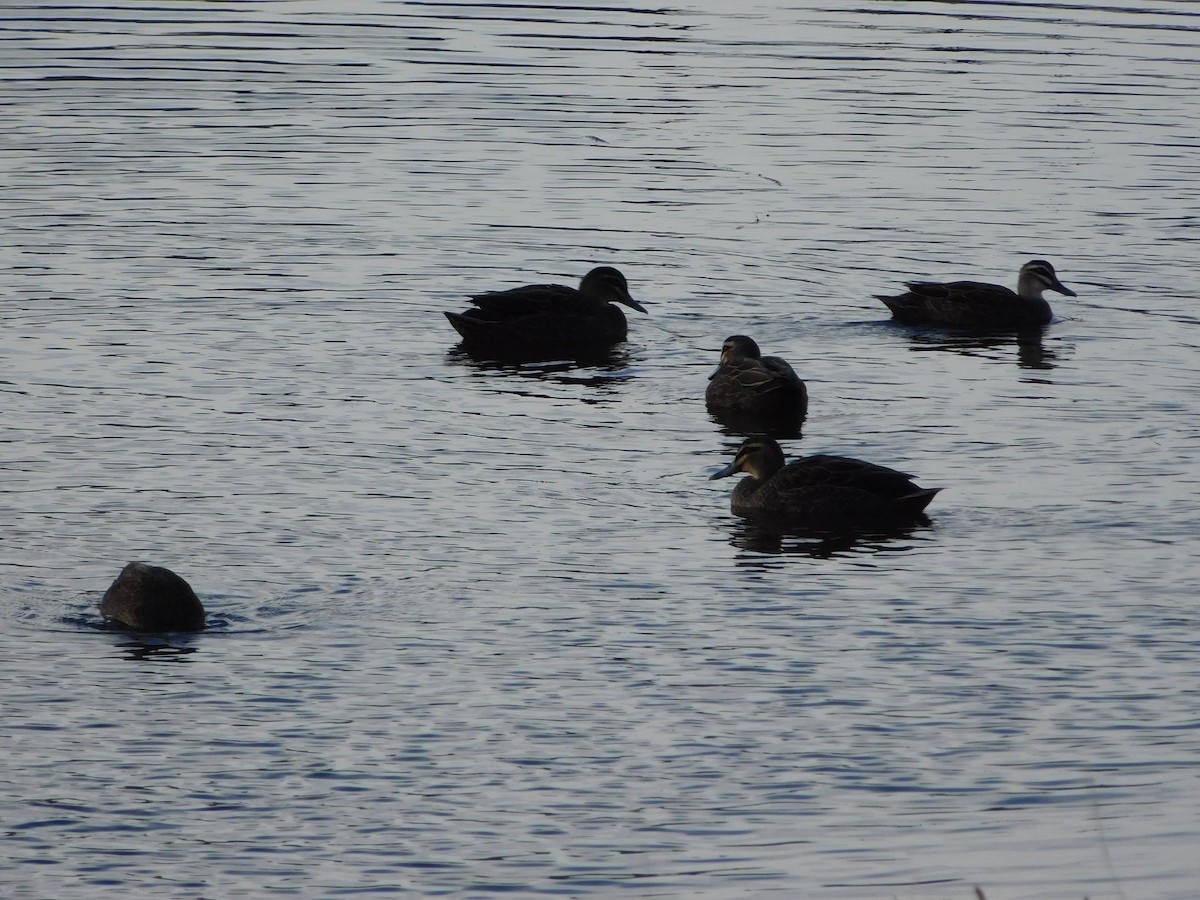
[{"x": 482, "y": 629}]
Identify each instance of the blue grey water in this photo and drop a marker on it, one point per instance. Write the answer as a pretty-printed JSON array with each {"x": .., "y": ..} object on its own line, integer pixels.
[{"x": 481, "y": 629}]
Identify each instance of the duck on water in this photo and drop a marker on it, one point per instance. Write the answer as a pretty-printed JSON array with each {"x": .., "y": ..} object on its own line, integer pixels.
[
  {"x": 548, "y": 321},
  {"x": 821, "y": 492},
  {"x": 746, "y": 382},
  {"x": 974, "y": 304}
]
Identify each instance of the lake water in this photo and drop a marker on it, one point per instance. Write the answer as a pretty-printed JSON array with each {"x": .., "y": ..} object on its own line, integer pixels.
[{"x": 480, "y": 629}]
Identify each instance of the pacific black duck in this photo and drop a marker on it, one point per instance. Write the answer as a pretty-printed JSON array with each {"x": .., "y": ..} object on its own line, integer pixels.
[
  {"x": 548, "y": 321},
  {"x": 746, "y": 382},
  {"x": 821, "y": 492},
  {"x": 973, "y": 304}
]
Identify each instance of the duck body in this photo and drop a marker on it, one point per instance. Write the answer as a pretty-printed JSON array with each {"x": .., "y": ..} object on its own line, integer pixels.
[
  {"x": 974, "y": 304},
  {"x": 822, "y": 492},
  {"x": 548, "y": 321},
  {"x": 747, "y": 383},
  {"x": 152, "y": 598}
]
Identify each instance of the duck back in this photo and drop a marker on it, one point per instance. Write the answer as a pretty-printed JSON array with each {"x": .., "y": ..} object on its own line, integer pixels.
[{"x": 152, "y": 598}]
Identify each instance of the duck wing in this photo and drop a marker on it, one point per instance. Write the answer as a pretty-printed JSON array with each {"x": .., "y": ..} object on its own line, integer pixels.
[
  {"x": 844, "y": 471},
  {"x": 954, "y": 302},
  {"x": 751, "y": 375},
  {"x": 758, "y": 375},
  {"x": 780, "y": 370},
  {"x": 961, "y": 291},
  {"x": 837, "y": 491},
  {"x": 532, "y": 299}
]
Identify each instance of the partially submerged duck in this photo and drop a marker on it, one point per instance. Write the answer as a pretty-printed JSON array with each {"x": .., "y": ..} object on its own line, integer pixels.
[
  {"x": 821, "y": 492},
  {"x": 746, "y": 382},
  {"x": 973, "y": 304},
  {"x": 548, "y": 321},
  {"x": 152, "y": 598}
]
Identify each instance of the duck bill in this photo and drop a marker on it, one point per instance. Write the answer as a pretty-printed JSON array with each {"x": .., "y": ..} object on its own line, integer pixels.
[
  {"x": 632, "y": 304},
  {"x": 730, "y": 469},
  {"x": 1062, "y": 288}
]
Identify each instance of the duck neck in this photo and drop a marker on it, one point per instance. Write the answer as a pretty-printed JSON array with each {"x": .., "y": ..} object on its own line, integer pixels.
[{"x": 1030, "y": 287}]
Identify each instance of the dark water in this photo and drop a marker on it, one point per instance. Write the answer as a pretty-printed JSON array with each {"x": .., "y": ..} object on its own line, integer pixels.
[{"x": 483, "y": 629}]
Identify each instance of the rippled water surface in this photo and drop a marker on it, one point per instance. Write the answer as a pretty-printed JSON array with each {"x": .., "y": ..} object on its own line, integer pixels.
[{"x": 479, "y": 629}]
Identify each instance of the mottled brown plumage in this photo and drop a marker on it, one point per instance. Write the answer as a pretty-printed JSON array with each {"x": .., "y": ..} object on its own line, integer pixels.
[{"x": 746, "y": 382}]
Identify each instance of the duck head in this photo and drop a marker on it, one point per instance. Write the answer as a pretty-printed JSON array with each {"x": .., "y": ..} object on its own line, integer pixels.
[
  {"x": 1037, "y": 276},
  {"x": 760, "y": 457},
  {"x": 608, "y": 284}
]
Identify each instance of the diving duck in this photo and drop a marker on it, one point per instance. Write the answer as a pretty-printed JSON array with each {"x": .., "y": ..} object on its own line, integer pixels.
[
  {"x": 548, "y": 321},
  {"x": 151, "y": 598},
  {"x": 972, "y": 304},
  {"x": 748, "y": 382},
  {"x": 821, "y": 492}
]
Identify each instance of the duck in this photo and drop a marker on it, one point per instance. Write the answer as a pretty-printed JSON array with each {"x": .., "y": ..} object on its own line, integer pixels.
[
  {"x": 152, "y": 598},
  {"x": 821, "y": 492},
  {"x": 973, "y": 304},
  {"x": 746, "y": 382},
  {"x": 548, "y": 321}
]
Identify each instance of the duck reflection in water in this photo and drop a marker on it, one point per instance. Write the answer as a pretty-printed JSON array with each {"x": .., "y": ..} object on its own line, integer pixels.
[
  {"x": 548, "y": 321},
  {"x": 160, "y": 652},
  {"x": 603, "y": 371},
  {"x": 823, "y": 494},
  {"x": 754, "y": 394},
  {"x": 1032, "y": 353},
  {"x": 783, "y": 540}
]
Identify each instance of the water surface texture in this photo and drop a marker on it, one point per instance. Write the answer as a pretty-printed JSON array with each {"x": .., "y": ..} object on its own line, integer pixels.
[{"x": 482, "y": 629}]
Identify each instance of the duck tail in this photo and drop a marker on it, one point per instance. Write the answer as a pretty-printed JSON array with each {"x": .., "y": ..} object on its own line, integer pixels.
[{"x": 918, "y": 499}]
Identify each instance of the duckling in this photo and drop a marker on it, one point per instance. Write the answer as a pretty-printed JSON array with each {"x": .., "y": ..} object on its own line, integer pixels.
[
  {"x": 748, "y": 382},
  {"x": 821, "y": 492},
  {"x": 972, "y": 304},
  {"x": 152, "y": 598},
  {"x": 548, "y": 321}
]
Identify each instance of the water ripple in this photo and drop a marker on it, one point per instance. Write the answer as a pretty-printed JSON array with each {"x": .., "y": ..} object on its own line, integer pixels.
[{"x": 480, "y": 628}]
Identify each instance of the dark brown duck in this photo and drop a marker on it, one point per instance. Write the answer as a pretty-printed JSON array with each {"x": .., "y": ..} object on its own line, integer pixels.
[
  {"x": 746, "y": 382},
  {"x": 821, "y": 492},
  {"x": 974, "y": 304},
  {"x": 548, "y": 321}
]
